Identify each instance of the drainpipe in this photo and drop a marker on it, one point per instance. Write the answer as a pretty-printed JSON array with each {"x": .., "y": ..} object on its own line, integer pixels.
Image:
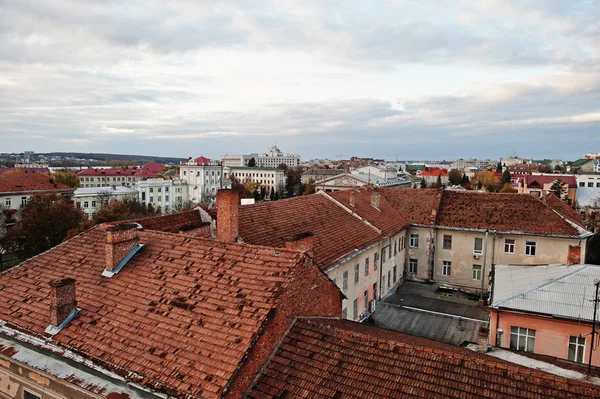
[
  {"x": 494, "y": 248},
  {"x": 483, "y": 268}
]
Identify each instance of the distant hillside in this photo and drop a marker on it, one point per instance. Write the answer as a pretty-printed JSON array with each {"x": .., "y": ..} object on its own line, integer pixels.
[{"x": 138, "y": 159}]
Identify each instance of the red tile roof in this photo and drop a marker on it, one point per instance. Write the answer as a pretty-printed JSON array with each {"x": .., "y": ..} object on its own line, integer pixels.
[
  {"x": 418, "y": 205},
  {"x": 336, "y": 232},
  {"x": 25, "y": 170},
  {"x": 171, "y": 223},
  {"x": 327, "y": 358},
  {"x": 434, "y": 172},
  {"x": 386, "y": 218},
  {"x": 501, "y": 212},
  {"x": 23, "y": 182},
  {"x": 178, "y": 317},
  {"x": 564, "y": 209},
  {"x": 150, "y": 170},
  {"x": 107, "y": 172},
  {"x": 541, "y": 180},
  {"x": 203, "y": 160}
]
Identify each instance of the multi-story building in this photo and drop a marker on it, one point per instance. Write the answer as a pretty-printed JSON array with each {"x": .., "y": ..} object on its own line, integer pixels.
[
  {"x": 272, "y": 159},
  {"x": 512, "y": 160},
  {"x": 269, "y": 178},
  {"x": 104, "y": 177},
  {"x": 169, "y": 195},
  {"x": 433, "y": 175},
  {"x": 546, "y": 310},
  {"x": 462, "y": 164},
  {"x": 540, "y": 184},
  {"x": 91, "y": 199},
  {"x": 204, "y": 177}
]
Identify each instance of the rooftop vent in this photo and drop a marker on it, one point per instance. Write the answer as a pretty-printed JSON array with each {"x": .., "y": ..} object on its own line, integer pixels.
[{"x": 63, "y": 304}]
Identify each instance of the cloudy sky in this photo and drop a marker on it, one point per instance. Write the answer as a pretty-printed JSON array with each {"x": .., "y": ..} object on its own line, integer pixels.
[{"x": 420, "y": 79}]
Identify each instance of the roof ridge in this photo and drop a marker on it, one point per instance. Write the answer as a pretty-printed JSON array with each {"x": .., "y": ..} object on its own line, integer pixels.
[
  {"x": 554, "y": 280},
  {"x": 351, "y": 212}
]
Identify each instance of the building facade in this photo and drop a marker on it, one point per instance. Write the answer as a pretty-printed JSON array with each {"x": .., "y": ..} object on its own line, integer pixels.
[
  {"x": 90, "y": 200},
  {"x": 269, "y": 178},
  {"x": 271, "y": 159},
  {"x": 169, "y": 195},
  {"x": 462, "y": 164},
  {"x": 204, "y": 177}
]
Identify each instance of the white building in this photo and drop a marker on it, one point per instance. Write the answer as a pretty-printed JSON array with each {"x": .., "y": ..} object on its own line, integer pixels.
[
  {"x": 168, "y": 194},
  {"x": 272, "y": 159},
  {"x": 462, "y": 164},
  {"x": 264, "y": 177},
  {"x": 90, "y": 199},
  {"x": 204, "y": 177}
]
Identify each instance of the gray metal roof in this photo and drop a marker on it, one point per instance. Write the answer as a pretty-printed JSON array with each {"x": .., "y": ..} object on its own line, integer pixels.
[{"x": 557, "y": 290}]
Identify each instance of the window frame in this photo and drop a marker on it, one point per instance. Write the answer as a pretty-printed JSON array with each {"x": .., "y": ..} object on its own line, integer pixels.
[
  {"x": 479, "y": 272},
  {"x": 414, "y": 240},
  {"x": 345, "y": 281},
  {"x": 413, "y": 262},
  {"x": 508, "y": 245},
  {"x": 577, "y": 345},
  {"x": 367, "y": 266},
  {"x": 356, "y": 273},
  {"x": 475, "y": 250},
  {"x": 447, "y": 268},
  {"x": 447, "y": 241},
  {"x": 530, "y": 248},
  {"x": 522, "y": 333}
]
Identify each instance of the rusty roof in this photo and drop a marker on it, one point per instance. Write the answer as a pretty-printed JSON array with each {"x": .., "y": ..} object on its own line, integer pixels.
[
  {"x": 172, "y": 222},
  {"x": 23, "y": 182},
  {"x": 564, "y": 209},
  {"x": 336, "y": 232},
  {"x": 333, "y": 358},
  {"x": 384, "y": 218},
  {"x": 418, "y": 205},
  {"x": 179, "y": 317}
]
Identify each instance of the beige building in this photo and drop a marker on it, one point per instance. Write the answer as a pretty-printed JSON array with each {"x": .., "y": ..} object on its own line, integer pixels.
[{"x": 264, "y": 177}]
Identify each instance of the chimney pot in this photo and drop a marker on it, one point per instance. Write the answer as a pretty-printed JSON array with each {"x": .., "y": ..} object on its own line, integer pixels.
[
  {"x": 352, "y": 198},
  {"x": 375, "y": 199},
  {"x": 228, "y": 204},
  {"x": 62, "y": 300},
  {"x": 120, "y": 240},
  {"x": 302, "y": 242}
]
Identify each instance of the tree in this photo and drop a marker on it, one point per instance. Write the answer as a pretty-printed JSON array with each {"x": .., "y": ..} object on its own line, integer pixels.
[
  {"x": 499, "y": 167},
  {"x": 508, "y": 188},
  {"x": 256, "y": 194},
  {"x": 557, "y": 188},
  {"x": 438, "y": 183},
  {"x": 263, "y": 193},
  {"x": 465, "y": 181},
  {"x": 309, "y": 188},
  {"x": 44, "y": 223},
  {"x": 423, "y": 183},
  {"x": 68, "y": 178},
  {"x": 236, "y": 185},
  {"x": 488, "y": 180},
  {"x": 293, "y": 181},
  {"x": 180, "y": 205},
  {"x": 505, "y": 178},
  {"x": 455, "y": 177},
  {"x": 124, "y": 210},
  {"x": 272, "y": 194},
  {"x": 252, "y": 163}
]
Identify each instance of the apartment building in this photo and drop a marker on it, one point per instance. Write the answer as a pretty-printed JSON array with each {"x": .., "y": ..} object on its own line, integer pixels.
[
  {"x": 90, "y": 200},
  {"x": 270, "y": 178},
  {"x": 271, "y": 159},
  {"x": 169, "y": 195},
  {"x": 105, "y": 177},
  {"x": 204, "y": 177},
  {"x": 462, "y": 164}
]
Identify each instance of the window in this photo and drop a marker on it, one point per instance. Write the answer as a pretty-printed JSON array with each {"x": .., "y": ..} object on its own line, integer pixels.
[
  {"x": 597, "y": 184},
  {"x": 446, "y": 268},
  {"x": 394, "y": 274},
  {"x": 414, "y": 241},
  {"x": 151, "y": 190},
  {"x": 447, "y": 241},
  {"x": 366, "y": 299},
  {"x": 159, "y": 189},
  {"x": 383, "y": 256},
  {"x": 581, "y": 184},
  {"x": 29, "y": 395},
  {"x": 367, "y": 267},
  {"x": 86, "y": 204},
  {"x": 383, "y": 281},
  {"x": 576, "y": 349},
  {"x": 93, "y": 204},
  {"x": 389, "y": 278},
  {"x": 374, "y": 290},
  {"x": 355, "y": 309},
  {"x": 395, "y": 248},
  {"x": 166, "y": 198},
  {"x": 530, "y": 248},
  {"x": 412, "y": 265},
  {"x": 356, "y": 273},
  {"x": 7, "y": 202},
  {"x": 375, "y": 260},
  {"x": 345, "y": 281},
  {"x": 478, "y": 246},
  {"x": 143, "y": 196},
  {"x": 476, "y": 272},
  {"x": 522, "y": 339},
  {"x": 389, "y": 251},
  {"x": 151, "y": 200},
  {"x": 590, "y": 184},
  {"x": 23, "y": 201},
  {"x": 509, "y": 246},
  {"x": 166, "y": 189},
  {"x": 344, "y": 313}
]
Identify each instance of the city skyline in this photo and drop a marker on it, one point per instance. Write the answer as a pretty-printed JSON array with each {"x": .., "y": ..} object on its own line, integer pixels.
[{"x": 395, "y": 79}]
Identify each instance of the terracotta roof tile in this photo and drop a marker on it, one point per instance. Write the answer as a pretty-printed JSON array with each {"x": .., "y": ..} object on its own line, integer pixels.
[
  {"x": 386, "y": 218},
  {"x": 205, "y": 300},
  {"x": 418, "y": 205},
  {"x": 172, "y": 222},
  {"x": 342, "y": 359},
  {"x": 21, "y": 182},
  {"x": 564, "y": 209},
  {"x": 336, "y": 232},
  {"x": 501, "y": 212}
]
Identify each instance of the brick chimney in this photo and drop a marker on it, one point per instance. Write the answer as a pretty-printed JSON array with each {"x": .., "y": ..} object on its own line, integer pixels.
[
  {"x": 62, "y": 300},
  {"x": 352, "y": 198},
  {"x": 120, "y": 240},
  {"x": 482, "y": 339},
  {"x": 302, "y": 242},
  {"x": 228, "y": 204},
  {"x": 375, "y": 199}
]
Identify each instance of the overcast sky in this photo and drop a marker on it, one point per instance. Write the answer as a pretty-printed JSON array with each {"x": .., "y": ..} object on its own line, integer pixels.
[{"x": 419, "y": 79}]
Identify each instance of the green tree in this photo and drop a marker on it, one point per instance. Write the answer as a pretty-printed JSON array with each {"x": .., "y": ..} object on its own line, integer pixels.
[
  {"x": 505, "y": 178},
  {"x": 465, "y": 181},
  {"x": 499, "y": 167},
  {"x": 293, "y": 181},
  {"x": 67, "y": 177},
  {"x": 455, "y": 177},
  {"x": 124, "y": 210},
  {"x": 557, "y": 188},
  {"x": 44, "y": 223},
  {"x": 263, "y": 193},
  {"x": 252, "y": 163},
  {"x": 272, "y": 195},
  {"x": 438, "y": 182},
  {"x": 423, "y": 183}
]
